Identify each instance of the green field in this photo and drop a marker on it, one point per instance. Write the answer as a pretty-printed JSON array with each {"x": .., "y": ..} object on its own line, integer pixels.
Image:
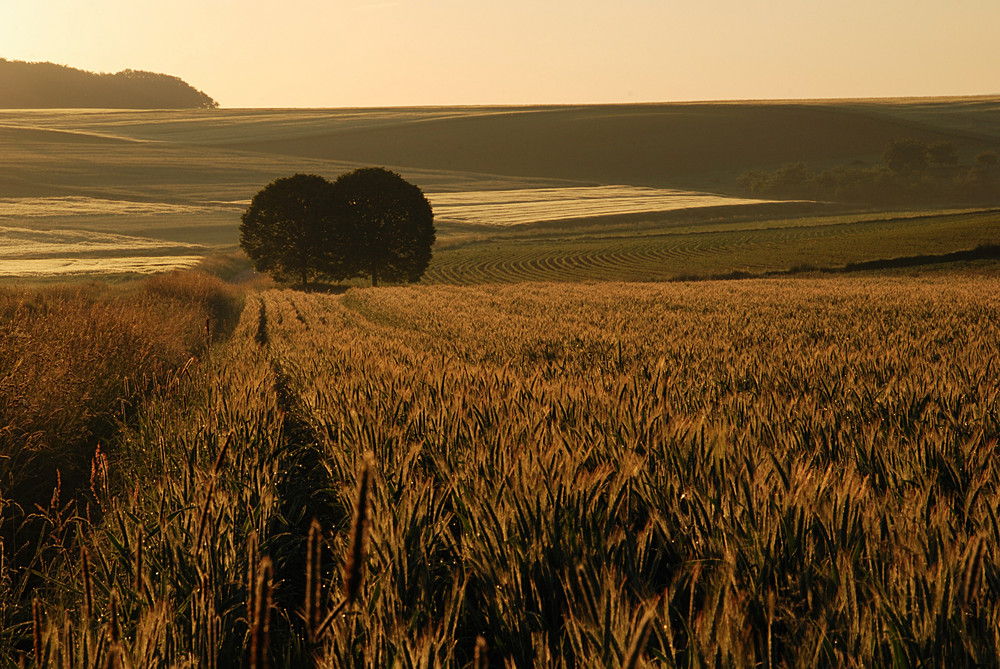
[{"x": 173, "y": 183}]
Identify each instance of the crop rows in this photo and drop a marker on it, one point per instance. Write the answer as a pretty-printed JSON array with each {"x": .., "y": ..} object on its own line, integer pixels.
[
  {"x": 776, "y": 472},
  {"x": 644, "y": 259},
  {"x": 712, "y": 250}
]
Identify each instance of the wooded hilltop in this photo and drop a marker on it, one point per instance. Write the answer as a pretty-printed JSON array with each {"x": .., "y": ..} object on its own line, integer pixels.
[{"x": 48, "y": 85}]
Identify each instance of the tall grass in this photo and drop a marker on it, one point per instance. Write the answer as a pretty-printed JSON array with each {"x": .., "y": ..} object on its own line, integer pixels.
[
  {"x": 76, "y": 362},
  {"x": 75, "y": 358}
]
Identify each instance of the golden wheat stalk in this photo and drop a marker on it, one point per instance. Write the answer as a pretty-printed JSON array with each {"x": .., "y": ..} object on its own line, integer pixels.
[
  {"x": 220, "y": 459},
  {"x": 205, "y": 513},
  {"x": 313, "y": 579},
  {"x": 116, "y": 632},
  {"x": 639, "y": 641},
  {"x": 972, "y": 574},
  {"x": 138, "y": 567},
  {"x": 115, "y": 650},
  {"x": 67, "y": 641},
  {"x": 206, "y": 510},
  {"x": 479, "y": 659},
  {"x": 36, "y": 628},
  {"x": 99, "y": 477},
  {"x": 88, "y": 590},
  {"x": 261, "y": 624},
  {"x": 354, "y": 569}
]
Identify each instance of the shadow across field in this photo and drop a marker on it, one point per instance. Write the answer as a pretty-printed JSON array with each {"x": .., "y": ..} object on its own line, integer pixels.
[{"x": 981, "y": 252}]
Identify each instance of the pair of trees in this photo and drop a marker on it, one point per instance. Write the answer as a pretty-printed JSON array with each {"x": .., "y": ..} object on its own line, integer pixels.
[{"x": 369, "y": 222}]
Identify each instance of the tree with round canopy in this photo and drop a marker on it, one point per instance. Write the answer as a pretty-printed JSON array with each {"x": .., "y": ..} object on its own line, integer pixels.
[
  {"x": 387, "y": 224},
  {"x": 289, "y": 229}
]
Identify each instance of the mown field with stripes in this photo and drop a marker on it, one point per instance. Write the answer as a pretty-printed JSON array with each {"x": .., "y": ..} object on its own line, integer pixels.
[{"x": 657, "y": 251}]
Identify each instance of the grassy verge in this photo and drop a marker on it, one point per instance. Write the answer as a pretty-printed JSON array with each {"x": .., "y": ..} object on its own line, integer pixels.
[{"x": 76, "y": 362}]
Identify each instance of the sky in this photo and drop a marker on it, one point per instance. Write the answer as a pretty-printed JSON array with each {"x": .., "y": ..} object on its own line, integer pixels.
[{"x": 359, "y": 53}]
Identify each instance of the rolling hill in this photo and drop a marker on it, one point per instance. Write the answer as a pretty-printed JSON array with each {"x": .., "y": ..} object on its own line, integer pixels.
[
  {"x": 700, "y": 146},
  {"x": 502, "y": 176}
]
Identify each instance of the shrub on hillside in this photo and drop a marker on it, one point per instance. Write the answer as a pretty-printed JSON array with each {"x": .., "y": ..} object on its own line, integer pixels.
[{"x": 906, "y": 177}]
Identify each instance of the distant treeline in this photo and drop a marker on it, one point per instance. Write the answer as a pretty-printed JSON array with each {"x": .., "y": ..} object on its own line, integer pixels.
[
  {"x": 911, "y": 172},
  {"x": 47, "y": 85}
]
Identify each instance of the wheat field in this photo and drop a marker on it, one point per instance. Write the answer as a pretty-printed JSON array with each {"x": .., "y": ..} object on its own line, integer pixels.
[{"x": 733, "y": 473}]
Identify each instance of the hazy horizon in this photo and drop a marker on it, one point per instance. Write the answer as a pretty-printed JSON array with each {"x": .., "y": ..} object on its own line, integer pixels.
[{"x": 310, "y": 54}]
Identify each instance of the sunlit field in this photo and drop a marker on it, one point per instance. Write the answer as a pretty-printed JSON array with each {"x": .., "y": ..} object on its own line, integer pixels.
[
  {"x": 45, "y": 251},
  {"x": 516, "y": 207},
  {"x": 45, "y": 207},
  {"x": 731, "y": 473},
  {"x": 75, "y": 267}
]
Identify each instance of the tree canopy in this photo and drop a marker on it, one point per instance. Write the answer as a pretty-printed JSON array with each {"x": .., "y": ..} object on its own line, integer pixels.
[
  {"x": 369, "y": 222},
  {"x": 942, "y": 153},
  {"x": 387, "y": 222},
  {"x": 288, "y": 230}
]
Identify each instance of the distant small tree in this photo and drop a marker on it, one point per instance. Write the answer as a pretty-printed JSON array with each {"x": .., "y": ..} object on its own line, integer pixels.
[
  {"x": 904, "y": 156},
  {"x": 387, "y": 223},
  {"x": 942, "y": 153},
  {"x": 982, "y": 176},
  {"x": 289, "y": 230},
  {"x": 793, "y": 175},
  {"x": 987, "y": 159},
  {"x": 753, "y": 181}
]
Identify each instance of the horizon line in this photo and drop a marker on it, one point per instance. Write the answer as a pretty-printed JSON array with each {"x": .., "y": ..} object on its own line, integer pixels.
[{"x": 648, "y": 103}]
